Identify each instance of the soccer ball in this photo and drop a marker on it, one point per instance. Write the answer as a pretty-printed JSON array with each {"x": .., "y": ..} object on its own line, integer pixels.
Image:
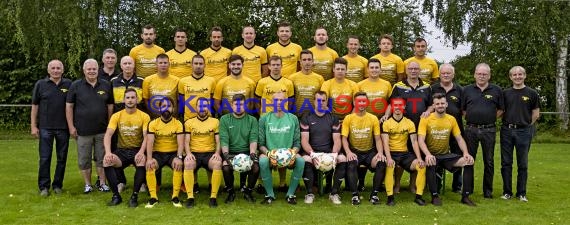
[
  {"x": 326, "y": 161},
  {"x": 242, "y": 163},
  {"x": 282, "y": 157}
]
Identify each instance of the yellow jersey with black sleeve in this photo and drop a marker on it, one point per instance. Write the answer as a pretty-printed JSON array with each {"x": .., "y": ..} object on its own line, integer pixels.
[
  {"x": 341, "y": 94},
  {"x": 268, "y": 86},
  {"x": 323, "y": 61},
  {"x": 165, "y": 133},
  {"x": 145, "y": 59},
  {"x": 253, "y": 59},
  {"x": 390, "y": 67},
  {"x": 289, "y": 53},
  {"x": 216, "y": 62},
  {"x": 438, "y": 131},
  {"x": 360, "y": 131},
  {"x": 428, "y": 68},
  {"x": 356, "y": 68},
  {"x": 192, "y": 89},
  {"x": 129, "y": 128},
  {"x": 306, "y": 85},
  {"x": 180, "y": 62},
  {"x": 202, "y": 134},
  {"x": 154, "y": 88},
  {"x": 378, "y": 92},
  {"x": 398, "y": 132}
]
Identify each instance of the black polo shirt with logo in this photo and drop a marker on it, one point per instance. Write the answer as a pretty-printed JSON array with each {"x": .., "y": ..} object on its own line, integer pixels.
[
  {"x": 90, "y": 115},
  {"x": 107, "y": 76},
  {"x": 417, "y": 99},
  {"x": 50, "y": 98},
  {"x": 481, "y": 106},
  {"x": 519, "y": 104}
]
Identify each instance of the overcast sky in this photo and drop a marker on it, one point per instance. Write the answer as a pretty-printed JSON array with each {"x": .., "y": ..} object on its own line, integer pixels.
[{"x": 440, "y": 50}]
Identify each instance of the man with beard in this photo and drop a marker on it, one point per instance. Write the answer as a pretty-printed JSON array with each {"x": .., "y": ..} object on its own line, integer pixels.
[
  {"x": 202, "y": 147},
  {"x": 145, "y": 53},
  {"x": 216, "y": 56},
  {"x": 231, "y": 85},
  {"x": 196, "y": 86},
  {"x": 131, "y": 126},
  {"x": 392, "y": 65},
  {"x": 165, "y": 145},
  {"x": 180, "y": 56},
  {"x": 306, "y": 83},
  {"x": 356, "y": 70},
  {"x": 324, "y": 56},
  {"x": 428, "y": 67},
  {"x": 287, "y": 50},
  {"x": 434, "y": 133},
  {"x": 255, "y": 57}
]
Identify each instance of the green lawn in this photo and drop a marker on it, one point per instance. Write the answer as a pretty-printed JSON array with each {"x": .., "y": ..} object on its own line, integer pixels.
[{"x": 547, "y": 194}]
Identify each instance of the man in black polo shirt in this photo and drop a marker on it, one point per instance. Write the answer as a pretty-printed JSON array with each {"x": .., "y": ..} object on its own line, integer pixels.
[
  {"x": 48, "y": 124},
  {"x": 89, "y": 106},
  {"x": 521, "y": 112},
  {"x": 453, "y": 95},
  {"x": 482, "y": 104},
  {"x": 320, "y": 132},
  {"x": 109, "y": 59}
]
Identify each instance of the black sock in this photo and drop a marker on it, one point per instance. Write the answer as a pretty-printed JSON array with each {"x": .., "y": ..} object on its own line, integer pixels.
[
  {"x": 309, "y": 177},
  {"x": 339, "y": 174},
  {"x": 140, "y": 177},
  {"x": 112, "y": 178}
]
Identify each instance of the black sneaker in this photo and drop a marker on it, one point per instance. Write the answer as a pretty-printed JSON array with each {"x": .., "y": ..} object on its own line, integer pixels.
[
  {"x": 115, "y": 200},
  {"x": 283, "y": 188},
  {"x": 361, "y": 188},
  {"x": 176, "y": 202},
  {"x": 435, "y": 200},
  {"x": 151, "y": 203},
  {"x": 190, "y": 203},
  {"x": 355, "y": 200},
  {"x": 196, "y": 188},
  {"x": 465, "y": 200},
  {"x": 488, "y": 195},
  {"x": 97, "y": 183},
  {"x": 291, "y": 199},
  {"x": 374, "y": 200},
  {"x": 268, "y": 200},
  {"x": 248, "y": 196},
  {"x": 391, "y": 201},
  {"x": 213, "y": 203},
  {"x": 231, "y": 197},
  {"x": 133, "y": 202},
  {"x": 419, "y": 200},
  {"x": 260, "y": 189}
]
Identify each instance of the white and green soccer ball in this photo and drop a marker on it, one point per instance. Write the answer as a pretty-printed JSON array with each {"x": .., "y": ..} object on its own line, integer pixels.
[
  {"x": 327, "y": 161},
  {"x": 242, "y": 163}
]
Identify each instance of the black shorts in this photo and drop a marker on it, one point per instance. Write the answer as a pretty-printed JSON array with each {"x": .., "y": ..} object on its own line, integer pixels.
[
  {"x": 127, "y": 157},
  {"x": 365, "y": 158},
  {"x": 447, "y": 161},
  {"x": 164, "y": 158},
  {"x": 403, "y": 159},
  {"x": 202, "y": 159}
]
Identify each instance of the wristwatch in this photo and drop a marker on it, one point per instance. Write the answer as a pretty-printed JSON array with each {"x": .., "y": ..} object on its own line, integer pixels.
[{"x": 180, "y": 157}]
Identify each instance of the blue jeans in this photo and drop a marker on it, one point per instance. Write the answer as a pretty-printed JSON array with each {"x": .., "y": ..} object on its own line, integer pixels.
[
  {"x": 47, "y": 136},
  {"x": 512, "y": 139}
]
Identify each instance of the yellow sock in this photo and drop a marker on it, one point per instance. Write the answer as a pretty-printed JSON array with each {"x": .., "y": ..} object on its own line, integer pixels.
[
  {"x": 189, "y": 182},
  {"x": 420, "y": 180},
  {"x": 216, "y": 181},
  {"x": 389, "y": 181},
  {"x": 151, "y": 183},
  {"x": 176, "y": 182}
]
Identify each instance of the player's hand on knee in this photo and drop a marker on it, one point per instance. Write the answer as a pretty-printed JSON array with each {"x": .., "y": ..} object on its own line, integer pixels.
[
  {"x": 140, "y": 158},
  {"x": 351, "y": 156},
  {"x": 380, "y": 157},
  {"x": 177, "y": 164},
  {"x": 430, "y": 160},
  {"x": 390, "y": 162},
  {"x": 468, "y": 159},
  {"x": 216, "y": 157},
  {"x": 150, "y": 164},
  {"x": 421, "y": 163}
]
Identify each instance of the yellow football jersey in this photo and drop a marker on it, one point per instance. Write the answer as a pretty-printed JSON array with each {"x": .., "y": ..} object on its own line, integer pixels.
[
  {"x": 165, "y": 139},
  {"x": 267, "y": 86},
  {"x": 145, "y": 59},
  {"x": 289, "y": 54},
  {"x": 202, "y": 134},
  {"x": 227, "y": 87},
  {"x": 192, "y": 89},
  {"x": 398, "y": 133},
  {"x": 356, "y": 68},
  {"x": 341, "y": 95},
  {"x": 360, "y": 131},
  {"x": 253, "y": 58},
  {"x": 130, "y": 127},
  {"x": 390, "y": 66},
  {"x": 155, "y": 87},
  {"x": 305, "y": 87},
  {"x": 323, "y": 61},
  {"x": 378, "y": 93},
  {"x": 438, "y": 131},
  {"x": 216, "y": 62},
  {"x": 428, "y": 68},
  {"x": 181, "y": 62}
]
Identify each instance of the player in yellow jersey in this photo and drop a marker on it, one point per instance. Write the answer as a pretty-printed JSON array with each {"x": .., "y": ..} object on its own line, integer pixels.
[
  {"x": 395, "y": 134},
  {"x": 392, "y": 65},
  {"x": 429, "y": 71},
  {"x": 306, "y": 83},
  {"x": 164, "y": 146},
  {"x": 130, "y": 125},
  {"x": 356, "y": 70},
  {"x": 287, "y": 50},
  {"x": 145, "y": 53},
  {"x": 377, "y": 89},
  {"x": 272, "y": 84},
  {"x": 202, "y": 147},
  {"x": 434, "y": 133},
  {"x": 233, "y": 84},
  {"x": 216, "y": 55},
  {"x": 193, "y": 87},
  {"x": 255, "y": 57},
  {"x": 180, "y": 56},
  {"x": 158, "y": 86},
  {"x": 323, "y": 56},
  {"x": 340, "y": 90},
  {"x": 362, "y": 144}
]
